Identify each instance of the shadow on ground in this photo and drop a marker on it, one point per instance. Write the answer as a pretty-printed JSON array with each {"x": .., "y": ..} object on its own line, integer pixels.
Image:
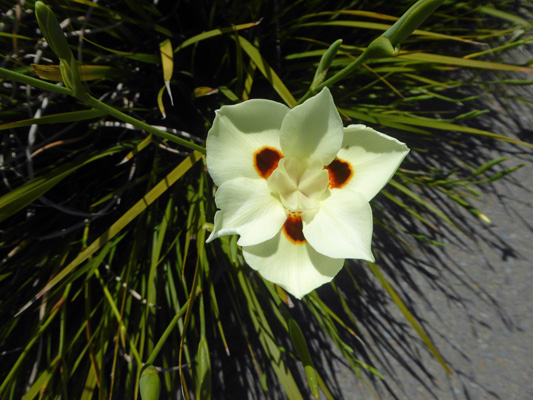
[
  {"x": 473, "y": 296},
  {"x": 470, "y": 290}
]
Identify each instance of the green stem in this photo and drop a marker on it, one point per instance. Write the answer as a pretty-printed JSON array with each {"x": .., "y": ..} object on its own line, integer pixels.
[
  {"x": 28, "y": 80},
  {"x": 94, "y": 103},
  {"x": 385, "y": 45},
  {"x": 26, "y": 350},
  {"x": 150, "y": 360},
  {"x": 343, "y": 73}
]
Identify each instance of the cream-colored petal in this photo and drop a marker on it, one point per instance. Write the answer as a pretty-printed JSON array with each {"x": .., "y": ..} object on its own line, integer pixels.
[
  {"x": 219, "y": 229},
  {"x": 297, "y": 268},
  {"x": 342, "y": 227},
  {"x": 238, "y": 132},
  {"x": 373, "y": 156},
  {"x": 314, "y": 182},
  {"x": 249, "y": 209},
  {"x": 312, "y": 129}
]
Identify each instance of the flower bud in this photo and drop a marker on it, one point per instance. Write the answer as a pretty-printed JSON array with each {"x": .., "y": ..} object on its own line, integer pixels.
[
  {"x": 52, "y": 31},
  {"x": 325, "y": 62},
  {"x": 150, "y": 383},
  {"x": 411, "y": 20},
  {"x": 55, "y": 38},
  {"x": 381, "y": 47}
]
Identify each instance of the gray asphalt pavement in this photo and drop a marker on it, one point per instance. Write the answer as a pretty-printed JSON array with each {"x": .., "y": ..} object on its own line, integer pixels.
[{"x": 474, "y": 296}]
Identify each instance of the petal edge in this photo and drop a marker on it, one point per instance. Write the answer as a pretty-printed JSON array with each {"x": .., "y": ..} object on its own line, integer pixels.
[
  {"x": 297, "y": 268},
  {"x": 312, "y": 129},
  {"x": 238, "y": 132}
]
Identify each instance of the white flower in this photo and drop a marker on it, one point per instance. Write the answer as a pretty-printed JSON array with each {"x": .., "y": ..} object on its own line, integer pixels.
[{"x": 296, "y": 185}]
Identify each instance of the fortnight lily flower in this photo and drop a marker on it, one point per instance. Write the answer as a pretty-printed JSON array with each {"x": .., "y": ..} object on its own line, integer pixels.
[{"x": 295, "y": 186}]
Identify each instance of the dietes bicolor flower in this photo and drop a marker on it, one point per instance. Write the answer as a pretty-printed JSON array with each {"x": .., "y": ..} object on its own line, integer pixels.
[{"x": 295, "y": 186}]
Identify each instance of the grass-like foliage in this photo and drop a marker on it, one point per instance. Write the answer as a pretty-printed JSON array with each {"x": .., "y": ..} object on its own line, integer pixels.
[{"x": 106, "y": 201}]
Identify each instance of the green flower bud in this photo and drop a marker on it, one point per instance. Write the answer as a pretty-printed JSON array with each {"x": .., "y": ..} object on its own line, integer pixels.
[
  {"x": 381, "y": 47},
  {"x": 411, "y": 20},
  {"x": 55, "y": 38},
  {"x": 325, "y": 62},
  {"x": 150, "y": 383},
  {"x": 52, "y": 31}
]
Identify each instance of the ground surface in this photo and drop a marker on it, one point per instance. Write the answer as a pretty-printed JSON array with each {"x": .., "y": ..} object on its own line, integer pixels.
[
  {"x": 478, "y": 311},
  {"x": 473, "y": 297}
]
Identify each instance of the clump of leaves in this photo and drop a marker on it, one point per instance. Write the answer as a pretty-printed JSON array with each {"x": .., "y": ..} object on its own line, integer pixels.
[{"x": 105, "y": 267}]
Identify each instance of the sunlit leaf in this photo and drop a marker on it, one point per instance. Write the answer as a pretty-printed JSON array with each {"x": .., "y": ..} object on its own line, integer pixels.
[
  {"x": 506, "y": 16},
  {"x": 201, "y": 91},
  {"x": 87, "y": 72},
  {"x": 385, "y": 119},
  {"x": 167, "y": 61},
  {"x": 383, "y": 27},
  {"x": 213, "y": 33},
  {"x": 462, "y": 62},
  {"x": 129, "y": 216},
  {"x": 268, "y": 72},
  {"x": 62, "y": 118},
  {"x": 414, "y": 323}
]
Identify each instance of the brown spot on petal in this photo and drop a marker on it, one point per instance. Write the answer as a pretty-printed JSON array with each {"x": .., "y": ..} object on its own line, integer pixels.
[
  {"x": 266, "y": 161},
  {"x": 293, "y": 228},
  {"x": 340, "y": 173}
]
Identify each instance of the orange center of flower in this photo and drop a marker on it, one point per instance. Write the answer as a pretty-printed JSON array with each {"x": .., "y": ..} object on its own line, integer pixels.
[
  {"x": 266, "y": 160},
  {"x": 340, "y": 173},
  {"x": 293, "y": 228}
]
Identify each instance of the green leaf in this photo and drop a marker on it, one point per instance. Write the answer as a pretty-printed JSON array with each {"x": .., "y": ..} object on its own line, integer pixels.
[
  {"x": 62, "y": 118},
  {"x": 408, "y": 209},
  {"x": 214, "y": 33},
  {"x": 160, "y": 100},
  {"x": 167, "y": 61},
  {"x": 125, "y": 219},
  {"x": 414, "y": 323},
  {"x": 431, "y": 207},
  {"x": 383, "y": 27},
  {"x": 28, "y": 80},
  {"x": 462, "y": 62},
  {"x": 267, "y": 339},
  {"x": 143, "y": 57},
  {"x": 136, "y": 150},
  {"x": 24, "y": 195},
  {"x": 14, "y": 36},
  {"x": 43, "y": 379},
  {"x": 385, "y": 119},
  {"x": 268, "y": 72},
  {"x": 35, "y": 336},
  {"x": 87, "y": 72},
  {"x": 300, "y": 345},
  {"x": 494, "y": 12}
]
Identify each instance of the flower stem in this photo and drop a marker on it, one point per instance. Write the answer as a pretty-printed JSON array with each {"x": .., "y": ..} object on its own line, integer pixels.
[
  {"x": 68, "y": 64},
  {"x": 94, "y": 103},
  {"x": 28, "y": 80},
  {"x": 335, "y": 78},
  {"x": 385, "y": 45},
  {"x": 151, "y": 358}
]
